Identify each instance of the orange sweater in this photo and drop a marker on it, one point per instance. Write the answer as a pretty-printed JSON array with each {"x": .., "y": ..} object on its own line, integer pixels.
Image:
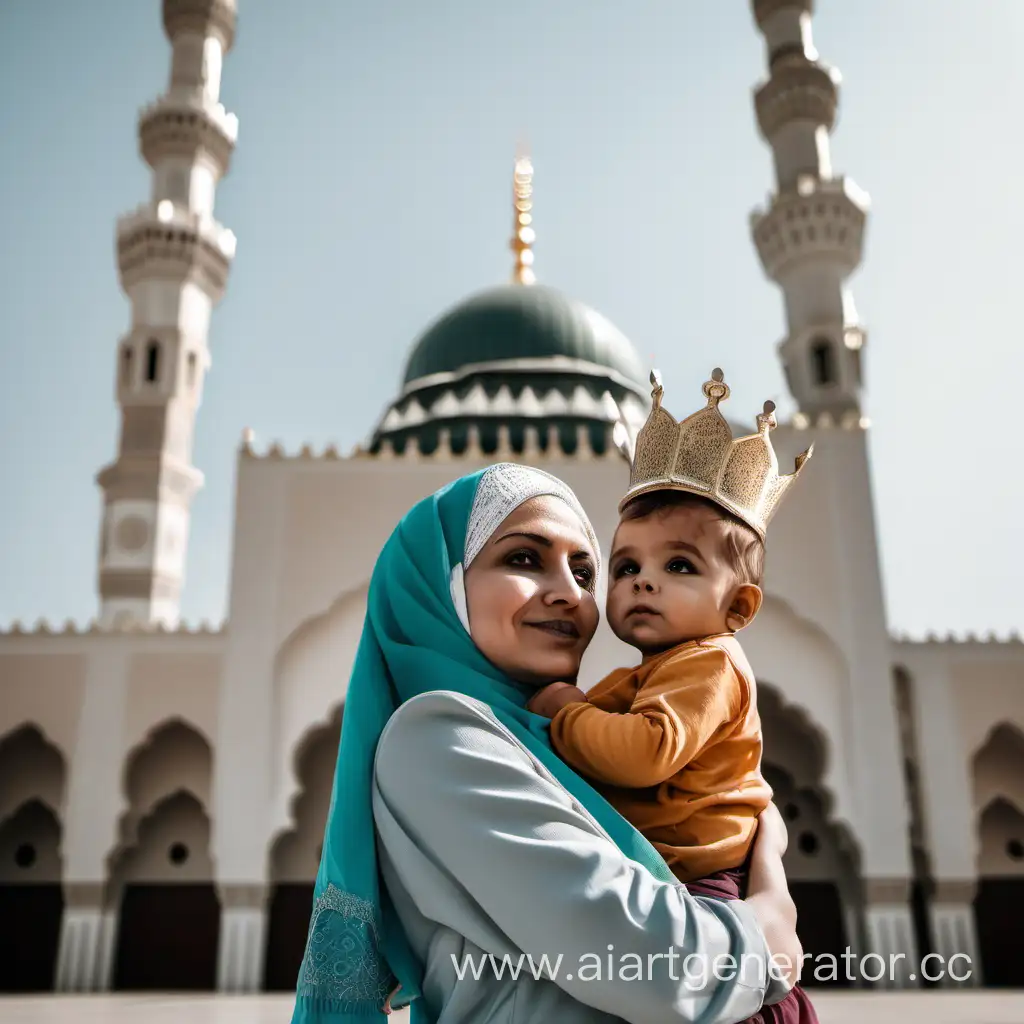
[{"x": 675, "y": 746}]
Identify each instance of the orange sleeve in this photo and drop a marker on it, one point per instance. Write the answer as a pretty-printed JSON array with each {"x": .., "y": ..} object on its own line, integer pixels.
[{"x": 675, "y": 712}]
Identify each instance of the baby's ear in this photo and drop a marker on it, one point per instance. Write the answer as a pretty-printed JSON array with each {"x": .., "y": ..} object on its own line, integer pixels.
[{"x": 744, "y": 606}]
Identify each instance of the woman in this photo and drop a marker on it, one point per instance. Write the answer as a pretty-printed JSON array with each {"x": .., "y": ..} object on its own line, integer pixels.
[{"x": 447, "y": 789}]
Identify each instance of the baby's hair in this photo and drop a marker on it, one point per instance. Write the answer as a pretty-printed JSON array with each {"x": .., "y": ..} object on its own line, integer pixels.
[{"x": 742, "y": 547}]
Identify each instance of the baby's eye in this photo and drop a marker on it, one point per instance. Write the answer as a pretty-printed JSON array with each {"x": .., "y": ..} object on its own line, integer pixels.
[
  {"x": 681, "y": 565},
  {"x": 626, "y": 569}
]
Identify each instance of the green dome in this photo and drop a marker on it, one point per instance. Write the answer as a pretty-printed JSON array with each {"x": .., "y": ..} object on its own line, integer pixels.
[{"x": 522, "y": 322}]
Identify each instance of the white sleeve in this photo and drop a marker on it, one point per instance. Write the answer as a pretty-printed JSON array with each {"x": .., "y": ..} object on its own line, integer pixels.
[{"x": 457, "y": 784}]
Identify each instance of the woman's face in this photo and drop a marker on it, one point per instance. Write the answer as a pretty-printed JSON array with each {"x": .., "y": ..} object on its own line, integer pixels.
[{"x": 530, "y": 593}]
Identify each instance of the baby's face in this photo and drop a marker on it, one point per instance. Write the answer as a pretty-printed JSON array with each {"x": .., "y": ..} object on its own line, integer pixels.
[{"x": 669, "y": 581}]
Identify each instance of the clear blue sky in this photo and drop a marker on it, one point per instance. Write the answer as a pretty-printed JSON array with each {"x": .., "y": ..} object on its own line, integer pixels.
[{"x": 369, "y": 191}]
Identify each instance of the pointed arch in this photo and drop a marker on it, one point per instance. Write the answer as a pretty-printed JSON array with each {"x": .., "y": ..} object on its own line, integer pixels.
[
  {"x": 311, "y": 676},
  {"x": 294, "y": 854},
  {"x": 810, "y": 675},
  {"x": 175, "y": 756},
  {"x": 32, "y": 785},
  {"x": 999, "y": 903},
  {"x": 31, "y": 767},
  {"x": 169, "y": 912},
  {"x": 823, "y": 859},
  {"x": 997, "y": 768}
]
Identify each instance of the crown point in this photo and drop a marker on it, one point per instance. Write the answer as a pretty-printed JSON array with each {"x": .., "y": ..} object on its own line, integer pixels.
[
  {"x": 715, "y": 389},
  {"x": 769, "y": 407},
  {"x": 657, "y": 390}
]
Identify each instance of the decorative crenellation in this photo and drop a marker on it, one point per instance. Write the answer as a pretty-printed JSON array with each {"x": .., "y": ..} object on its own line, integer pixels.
[
  {"x": 44, "y": 628},
  {"x": 961, "y": 638},
  {"x": 533, "y": 448}
]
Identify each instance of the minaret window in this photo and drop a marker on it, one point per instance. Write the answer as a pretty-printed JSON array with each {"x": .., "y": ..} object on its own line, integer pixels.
[
  {"x": 190, "y": 375},
  {"x": 153, "y": 362},
  {"x": 823, "y": 363},
  {"x": 126, "y": 366}
]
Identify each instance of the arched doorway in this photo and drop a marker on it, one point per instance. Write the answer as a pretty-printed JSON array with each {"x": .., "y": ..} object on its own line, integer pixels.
[
  {"x": 32, "y": 776},
  {"x": 999, "y": 902},
  {"x": 295, "y": 857},
  {"x": 821, "y": 861},
  {"x": 162, "y": 872}
]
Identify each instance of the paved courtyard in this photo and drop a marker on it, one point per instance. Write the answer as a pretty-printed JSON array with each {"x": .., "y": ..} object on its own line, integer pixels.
[{"x": 856, "y": 1008}]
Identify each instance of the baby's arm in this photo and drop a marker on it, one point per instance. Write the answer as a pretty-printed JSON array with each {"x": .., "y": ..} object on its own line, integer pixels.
[
  {"x": 550, "y": 699},
  {"x": 674, "y": 714}
]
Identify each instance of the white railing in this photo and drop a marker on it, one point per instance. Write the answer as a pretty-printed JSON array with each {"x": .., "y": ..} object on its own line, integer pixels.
[
  {"x": 196, "y": 102},
  {"x": 167, "y": 213}
]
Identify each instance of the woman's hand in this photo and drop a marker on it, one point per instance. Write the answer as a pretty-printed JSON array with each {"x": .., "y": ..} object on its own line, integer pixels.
[
  {"x": 772, "y": 831},
  {"x": 768, "y": 895},
  {"x": 550, "y": 699}
]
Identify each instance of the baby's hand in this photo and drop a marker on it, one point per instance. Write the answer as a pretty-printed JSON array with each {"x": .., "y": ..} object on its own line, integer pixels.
[{"x": 550, "y": 699}]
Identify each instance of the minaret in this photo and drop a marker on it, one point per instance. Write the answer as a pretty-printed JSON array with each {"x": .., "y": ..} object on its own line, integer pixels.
[
  {"x": 522, "y": 228},
  {"x": 811, "y": 235},
  {"x": 173, "y": 259}
]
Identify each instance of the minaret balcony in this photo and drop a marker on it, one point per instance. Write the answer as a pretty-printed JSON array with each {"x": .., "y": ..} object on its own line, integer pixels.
[
  {"x": 183, "y": 127},
  {"x": 201, "y": 17},
  {"x": 167, "y": 242},
  {"x": 766, "y": 9},
  {"x": 798, "y": 90},
  {"x": 819, "y": 221}
]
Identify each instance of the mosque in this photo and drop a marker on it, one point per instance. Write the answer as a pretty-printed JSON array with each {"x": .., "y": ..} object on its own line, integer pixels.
[{"x": 163, "y": 789}]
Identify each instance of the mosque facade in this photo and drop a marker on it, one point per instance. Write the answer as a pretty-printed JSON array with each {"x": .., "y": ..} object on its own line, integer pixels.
[{"x": 163, "y": 789}]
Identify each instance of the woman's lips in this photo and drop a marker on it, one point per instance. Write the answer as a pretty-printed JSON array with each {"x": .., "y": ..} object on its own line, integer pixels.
[{"x": 562, "y": 629}]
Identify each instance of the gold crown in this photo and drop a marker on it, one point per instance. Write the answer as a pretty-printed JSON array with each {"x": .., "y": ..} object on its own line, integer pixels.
[{"x": 700, "y": 455}]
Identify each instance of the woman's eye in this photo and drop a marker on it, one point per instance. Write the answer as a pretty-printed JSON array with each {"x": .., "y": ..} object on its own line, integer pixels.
[
  {"x": 683, "y": 565},
  {"x": 584, "y": 576},
  {"x": 522, "y": 558}
]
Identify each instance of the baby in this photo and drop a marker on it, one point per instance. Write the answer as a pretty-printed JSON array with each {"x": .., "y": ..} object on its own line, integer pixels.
[{"x": 674, "y": 744}]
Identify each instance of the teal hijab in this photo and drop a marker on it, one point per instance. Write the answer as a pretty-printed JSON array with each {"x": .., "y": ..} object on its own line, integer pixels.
[{"x": 414, "y": 640}]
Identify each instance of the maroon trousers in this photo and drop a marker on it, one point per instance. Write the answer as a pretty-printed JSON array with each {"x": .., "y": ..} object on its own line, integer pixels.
[{"x": 796, "y": 1008}]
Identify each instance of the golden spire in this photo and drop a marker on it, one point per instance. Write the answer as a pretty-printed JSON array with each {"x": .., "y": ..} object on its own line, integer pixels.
[{"x": 522, "y": 232}]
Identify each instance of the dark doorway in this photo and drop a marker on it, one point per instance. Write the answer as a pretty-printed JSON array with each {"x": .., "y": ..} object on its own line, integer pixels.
[
  {"x": 998, "y": 913},
  {"x": 167, "y": 938},
  {"x": 822, "y": 930},
  {"x": 30, "y": 917},
  {"x": 290, "y": 909}
]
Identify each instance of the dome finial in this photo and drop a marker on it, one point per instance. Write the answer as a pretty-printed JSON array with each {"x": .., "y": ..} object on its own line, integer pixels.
[{"x": 522, "y": 231}]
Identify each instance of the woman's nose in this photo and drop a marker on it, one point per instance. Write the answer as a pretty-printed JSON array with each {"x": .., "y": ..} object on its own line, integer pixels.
[{"x": 564, "y": 588}]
